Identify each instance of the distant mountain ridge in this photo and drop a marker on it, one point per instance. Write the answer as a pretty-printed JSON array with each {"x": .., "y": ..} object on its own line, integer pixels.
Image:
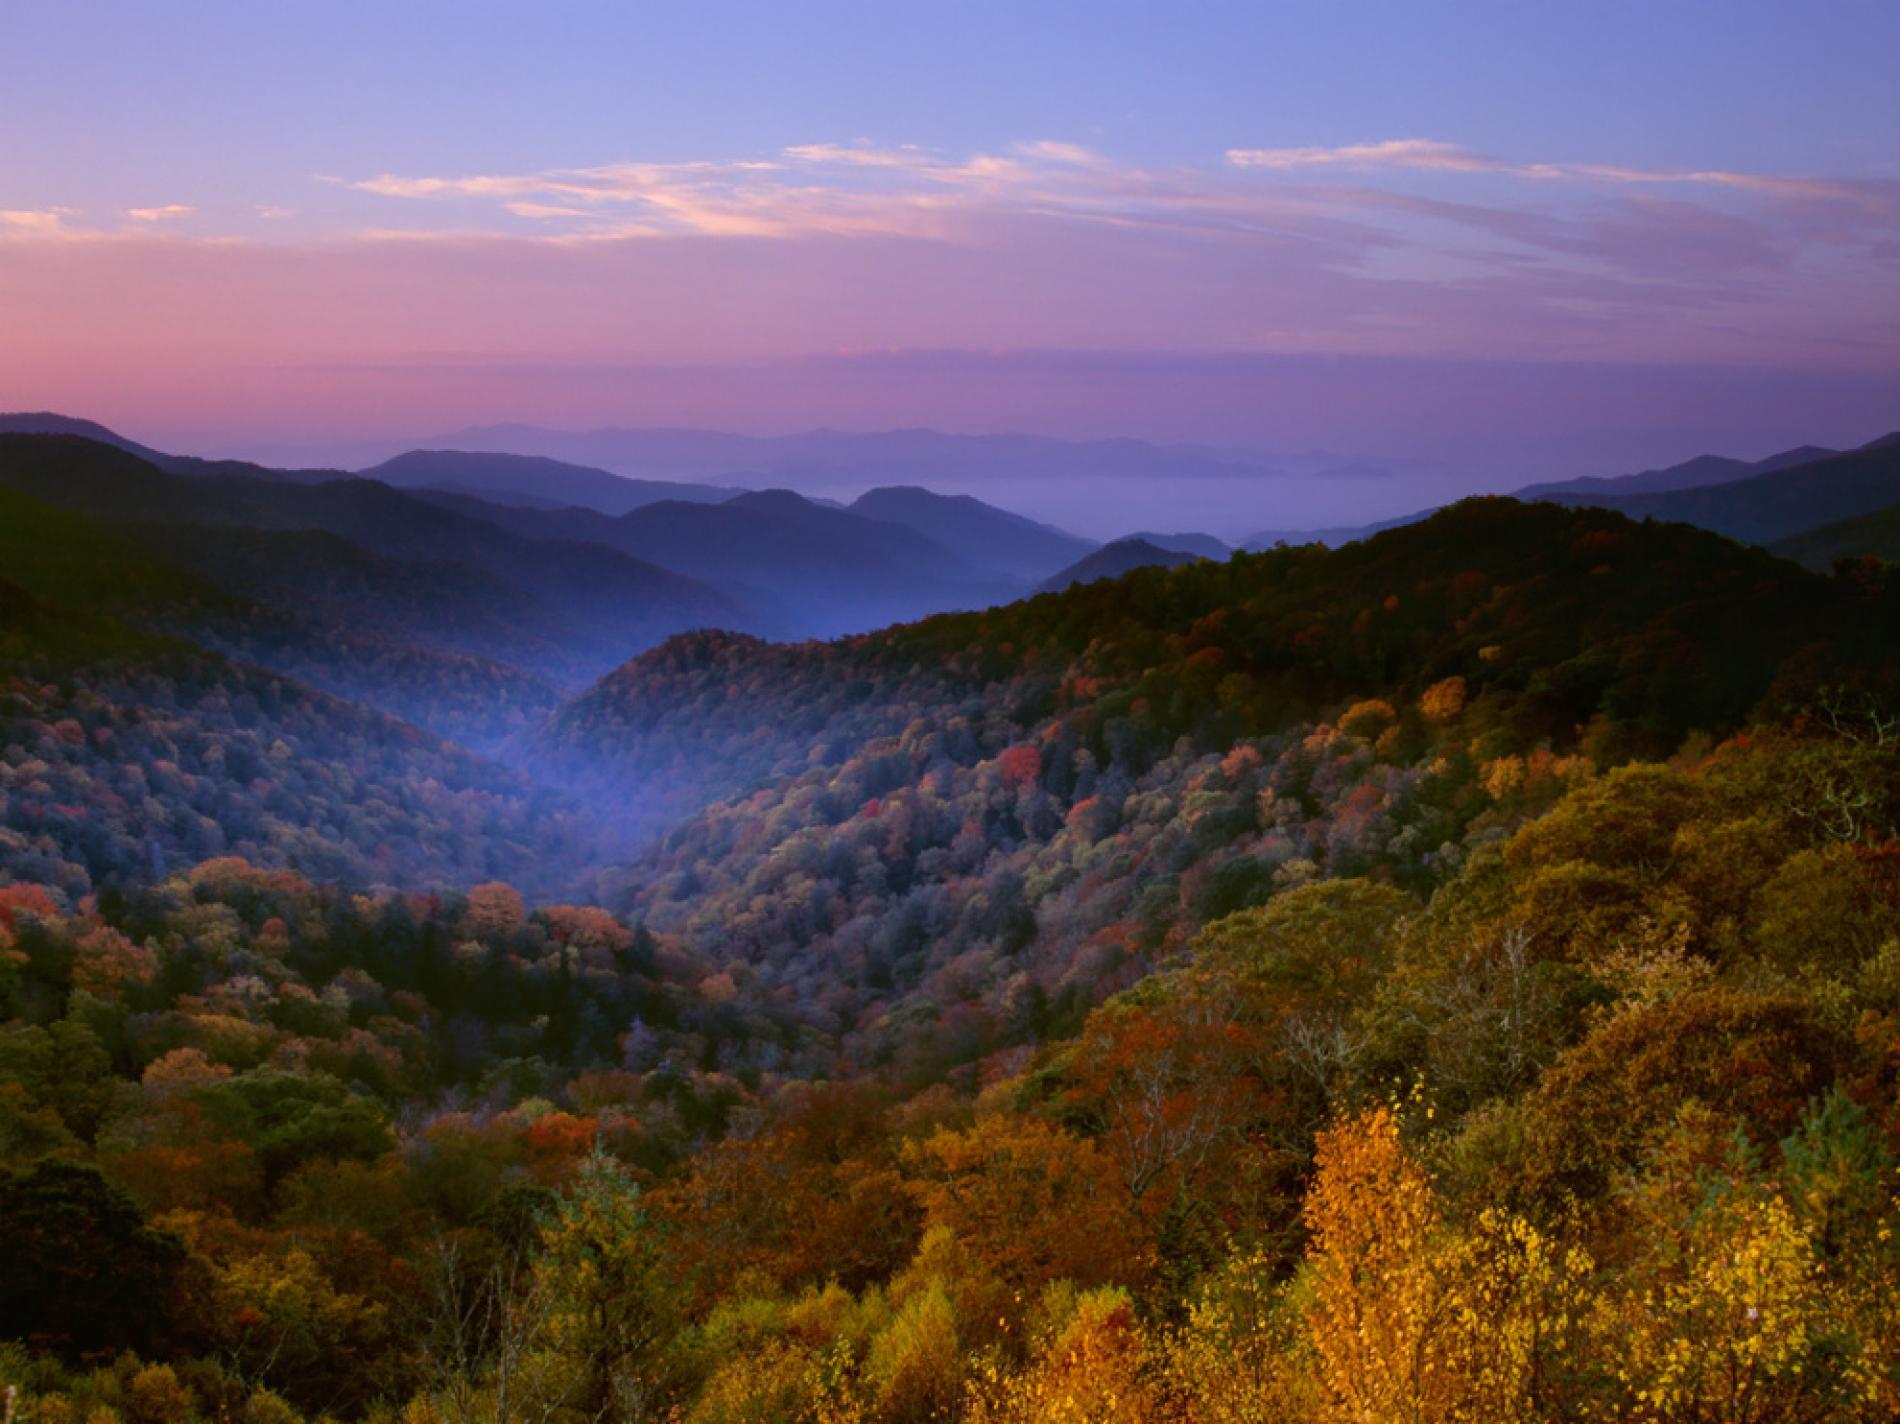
[
  {"x": 491, "y": 475},
  {"x": 1702, "y": 471},
  {"x": 1779, "y": 504},
  {"x": 980, "y": 534},
  {"x": 46, "y": 422},
  {"x": 885, "y": 457},
  {"x": 570, "y": 610},
  {"x": 1113, "y": 560},
  {"x": 810, "y": 570},
  {"x": 1689, "y": 492},
  {"x": 811, "y": 574},
  {"x": 49, "y": 423},
  {"x": 781, "y": 563},
  {"x": 1206, "y": 545}
]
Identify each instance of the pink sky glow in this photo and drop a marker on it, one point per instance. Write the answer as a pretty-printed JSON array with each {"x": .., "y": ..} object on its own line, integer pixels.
[{"x": 414, "y": 301}]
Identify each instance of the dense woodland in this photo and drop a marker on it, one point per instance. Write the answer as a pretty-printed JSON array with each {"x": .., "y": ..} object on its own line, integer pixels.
[{"x": 1455, "y": 977}]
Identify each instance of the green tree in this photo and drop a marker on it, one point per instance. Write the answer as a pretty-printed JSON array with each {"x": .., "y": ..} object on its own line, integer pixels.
[
  {"x": 79, "y": 1268},
  {"x": 611, "y": 1310}
]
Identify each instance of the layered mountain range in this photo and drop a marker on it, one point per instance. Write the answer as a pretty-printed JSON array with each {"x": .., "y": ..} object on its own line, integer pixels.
[
  {"x": 1760, "y": 501},
  {"x": 472, "y": 594},
  {"x": 479, "y": 597}
]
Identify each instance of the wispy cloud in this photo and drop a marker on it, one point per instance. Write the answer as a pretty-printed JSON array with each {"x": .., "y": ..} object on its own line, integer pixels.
[
  {"x": 1389, "y": 153},
  {"x": 840, "y": 188},
  {"x": 44, "y": 222},
  {"x": 543, "y": 210},
  {"x": 861, "y": 155},
  {"x": 1434, "y": 155},
  {"x": 160, "y": 214},
  {"x": 868, "y": 189},
  {"x": 1055, "y": 151},
  {"x": 607, "y": 182},
  {"x": 737, "y": 199}
]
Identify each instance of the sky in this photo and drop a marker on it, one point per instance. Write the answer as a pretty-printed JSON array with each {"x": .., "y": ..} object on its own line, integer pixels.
[{"x": 1500, "y": 242}]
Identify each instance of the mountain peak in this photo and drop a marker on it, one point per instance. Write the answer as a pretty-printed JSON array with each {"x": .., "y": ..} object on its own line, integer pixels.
[
  {"x": 771, "y": 501},
  {"x": 1205, "y": 545},
  {"x": 46, "y": 422},
  {"x": 1110, "y": 561},
  {"x": 984, "y": 535}
]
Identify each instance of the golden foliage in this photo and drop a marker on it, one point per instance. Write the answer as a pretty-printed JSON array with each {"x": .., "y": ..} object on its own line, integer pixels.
[
  {"x": 1093, "y": 1369},
  {"x": 1409, "y": 1317},
  {"x": 1444, "y": 699}
]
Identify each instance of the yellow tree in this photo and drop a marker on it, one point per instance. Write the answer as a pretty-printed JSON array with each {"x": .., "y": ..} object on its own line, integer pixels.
[
  {"x": 1379, "y": 1306},
  {"x": 1721, "y": 1316},
  {"x": 1233, "y": 1360},
  {"x": 1092, "y": 1369},
  {"x": 1411, "y": 1319},
  {"x": 1520, "y": 1301}
]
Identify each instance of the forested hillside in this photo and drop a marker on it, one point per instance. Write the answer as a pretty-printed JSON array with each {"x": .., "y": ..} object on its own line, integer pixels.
[
  {"x": 1016, "y": 810},
  {"x": 126, "y": 755},
  {"x": 342, "y": 631},
  {"x": 1866, "y": 536},
  {"x": 1454, "y": 977},
  {"x": 1558, "y": 616}
]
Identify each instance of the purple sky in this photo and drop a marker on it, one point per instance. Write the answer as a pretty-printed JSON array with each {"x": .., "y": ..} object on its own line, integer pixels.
[{"x": 1505, "y": 239}]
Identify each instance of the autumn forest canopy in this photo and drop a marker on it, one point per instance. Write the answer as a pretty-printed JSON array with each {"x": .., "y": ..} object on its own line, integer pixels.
[{"x": 720, "y": 956}]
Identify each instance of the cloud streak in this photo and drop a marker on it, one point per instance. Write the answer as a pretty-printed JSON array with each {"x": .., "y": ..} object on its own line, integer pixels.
[
  {"x": 1432, "y": 155},
  {"x": 1390, "y": 153},
  {"x": 40, "y": 222},
  {"x": 832, "y": 188}
]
